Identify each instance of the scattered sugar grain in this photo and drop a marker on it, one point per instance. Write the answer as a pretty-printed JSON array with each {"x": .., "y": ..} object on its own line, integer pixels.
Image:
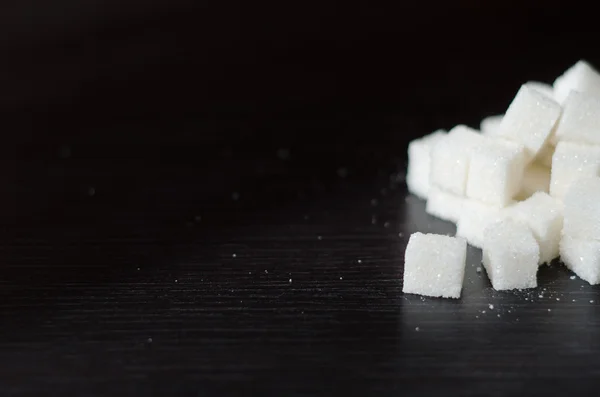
[{"x": 491, "y": 306}]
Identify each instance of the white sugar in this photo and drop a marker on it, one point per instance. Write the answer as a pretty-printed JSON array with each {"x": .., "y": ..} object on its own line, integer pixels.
[
  {"x": 530, "y": 119},
  {"x": 510, "y": 255},
  {"x": 434, "y": 265}
]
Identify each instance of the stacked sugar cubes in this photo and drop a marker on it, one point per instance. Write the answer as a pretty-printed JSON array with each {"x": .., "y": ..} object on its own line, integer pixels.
[{"x": 524, "y": 189}]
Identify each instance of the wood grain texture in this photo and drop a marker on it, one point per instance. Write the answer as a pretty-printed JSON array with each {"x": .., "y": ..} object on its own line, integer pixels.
[{"x": 298, "y": 299}]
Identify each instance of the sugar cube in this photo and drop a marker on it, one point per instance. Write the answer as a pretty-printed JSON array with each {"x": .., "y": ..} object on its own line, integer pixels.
[
  {"x": 544, "y": 156},
  {"x": 580, "y": 121},
  {"x": 536, "y": 178},
  {"x": 582, "y": 209},
  {"x": 510, "y": 255},
  {"x": 489, "y": 125},
  {"x": 419, "y": 160},
  {"x": 474, "y": 217},
  {"x": 434, "y": 265},
  {"x": 530, "y": 119},
  {"x": 496, "y": 171},
  {"x": 582, "y": 257},
  {"x": 444, "y": 205},
  {"x": 580, "y": 77},
  {"x": 450, "y": 158},
  {"x": 544, "y": 88},
  {"x": 571, "y": 162},
  {"x": 544, "y": 217}
]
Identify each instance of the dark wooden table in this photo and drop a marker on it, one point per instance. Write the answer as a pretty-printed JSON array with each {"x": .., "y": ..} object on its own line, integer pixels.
[{"x": 144, "y": 271}]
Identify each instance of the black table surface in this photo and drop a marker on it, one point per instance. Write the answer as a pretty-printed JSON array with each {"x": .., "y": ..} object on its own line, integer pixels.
[{"x": 135, "y": 277}]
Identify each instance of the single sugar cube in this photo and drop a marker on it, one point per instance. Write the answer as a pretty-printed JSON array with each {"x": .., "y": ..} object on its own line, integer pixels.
[
  {"x": 510, "y": 255},
  {"x": 544, "y": 217},
  {"x": 571, "y": 162},
  {"x": 450, "y": 158},
  {"x": 434, "y": 265},
  {"x": 419, "y": 160},
  {"x": 444, "y": 205},
  {"x": 582, "y": 257},
  {"x": 582, "y": 209},
  {"x": 489, "y": 125},
  {"x": 496, "y": 171},
  {"x": 530, "y": 119},
  {"x": 580, "y": 77},
  {"x": 580, "y": 121},
  {"x": 544, "y": 157},
  {"x": 543, "y": 88},
  {"x": 474, "y": 217},
  {"x": 536, "y": 178}
]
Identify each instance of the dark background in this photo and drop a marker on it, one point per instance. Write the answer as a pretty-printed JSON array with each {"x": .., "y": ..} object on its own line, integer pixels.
[{"x": 168, "y": 168}]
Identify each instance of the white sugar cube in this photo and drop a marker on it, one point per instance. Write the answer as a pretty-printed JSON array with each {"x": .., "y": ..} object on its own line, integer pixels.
[
  {"x": 434, "y": 265},
  {"x": 530, "y": 119},
  {"x": 496, "y": 171},
  {"x": 419, "y": 160},
  {"x": 545, "y": 154},
  {"x": 444, "y": 205},
  {"x": 474, "y": 217},
  {"x": 510, "y": 255},
  {"x": 580, "y": 121},
  {"x": 450, "y": 158},
  {"x": 489, "y": 125},
  {"x": 582, "y": 209},
  {"x": 580, "y": 77},
  {"x": 536, "y": 178},
  {"x": 544, "y": 88},
  {"x": 582, "y": 257},
  {"x": 571, "y": 162},
  {"x": 544, "y": 217}
]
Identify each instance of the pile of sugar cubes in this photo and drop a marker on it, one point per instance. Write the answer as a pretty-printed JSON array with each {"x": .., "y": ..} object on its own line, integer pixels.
[{"x": 525, "y": 189}]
